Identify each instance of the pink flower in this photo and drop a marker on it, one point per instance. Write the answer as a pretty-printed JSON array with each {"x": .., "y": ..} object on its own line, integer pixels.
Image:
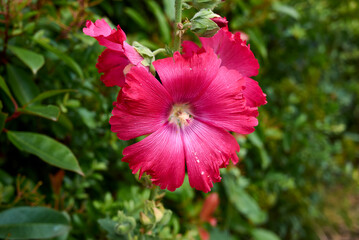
[
  {"x": 188, "y": 117},
  {"x": 119, "y": 56},
  {"x": 220, "y": 21},
  {"x": 235, "y": 54}
]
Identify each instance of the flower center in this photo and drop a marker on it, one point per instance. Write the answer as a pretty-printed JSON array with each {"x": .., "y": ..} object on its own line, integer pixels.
[{"x": 180, "y": 115}]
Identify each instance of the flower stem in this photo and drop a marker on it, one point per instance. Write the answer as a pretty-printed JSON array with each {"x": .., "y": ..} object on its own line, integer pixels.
[
  {"x": 153, "y": 193},
  {"x": 160, "y": 50},
  {"x": 178, "y": 27}
]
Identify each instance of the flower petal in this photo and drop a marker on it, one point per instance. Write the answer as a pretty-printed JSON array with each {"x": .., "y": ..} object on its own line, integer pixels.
[
  {"x": 224, "y": 105},
  {"x": 159, "y": 155},
  {"x": 112, "y": 64},
  {"x": 207, "y": 148},
  {"x": 99, "y": 28},
  {"x": 254, "y": 94},
  {"x": 142, "y": 105},
  {"x": 186, "y": 79},
  {"x": 234, "y": 52},
  {"x": 189, "y": 48}
]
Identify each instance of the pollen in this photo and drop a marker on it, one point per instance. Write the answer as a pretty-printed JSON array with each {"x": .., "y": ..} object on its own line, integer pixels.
[{"x": 180, "y": 115}]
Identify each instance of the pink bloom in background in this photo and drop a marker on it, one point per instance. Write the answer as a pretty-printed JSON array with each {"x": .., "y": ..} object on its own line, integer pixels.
[
  {"x": 235, "y": 54},
  {"x": 188, "y": 117},
  {"x": 119, "y": 56}
]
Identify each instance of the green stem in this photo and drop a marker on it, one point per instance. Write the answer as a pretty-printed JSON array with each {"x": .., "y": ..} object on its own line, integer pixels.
[
  {"x": 178, "y": 24},
  {"x": 153, "y": 193},
  {"x": 160, "y": 50}
]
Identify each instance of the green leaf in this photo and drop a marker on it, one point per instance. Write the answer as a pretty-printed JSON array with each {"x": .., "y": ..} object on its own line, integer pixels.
[
  {"x": 68, "y": 60},
  {"x": 138, "y": 18},
  {"x": 21, "y": 84},
  {"x": 262, "y": 234},
  {"x": 161, "y": 19},
  {"x": 46, "y": 148},
  {"x": 4, "y": 87},
  {"x": 50, "y": 93},
  {"x": 258, "y": 42},
  {"x": 241, "y": 200},
  {"x": 33, "y": 60},
  {"x": 32, "y": 223},
  {"x": 3, "y": 117},
  {"x": 169, "y": 6},
  {"x": 50, "y": 112},
  {"x": 281, "y": 8}
]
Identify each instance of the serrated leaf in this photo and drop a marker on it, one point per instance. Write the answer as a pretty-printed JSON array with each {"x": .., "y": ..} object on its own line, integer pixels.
[
  {"x": 32, "y": 223},
  {"x": 65, "y": 58},
  {"x": 33, "y": 60},
  {"x": 50, "y": 111},
  {"x": 21, "y": 84},
  {"x": 46, "y": 148},
  {"x": 49, "y": 94}
]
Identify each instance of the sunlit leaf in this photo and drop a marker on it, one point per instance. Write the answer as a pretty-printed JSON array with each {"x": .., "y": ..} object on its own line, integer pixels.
[
  {"x": 33, "y": 60},
  {"x": 262, "y": 234},
  {"x": 32, "y": 223},
  {"x": 51, "y": 112},
  {"x": 281, "y": 8},
  {"x": 46, "y": 148}
]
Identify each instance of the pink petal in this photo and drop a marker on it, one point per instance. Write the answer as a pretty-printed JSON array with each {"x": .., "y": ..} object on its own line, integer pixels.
[
  {"x": 186, "y": 79},
  {"x": 99, "y": 28},
  {"x": 224, "y": 106},
  {"x": 207, "y": 148},
  {"x": 220, "y": 21},
  {"x": 189, "y": 48},
  {"x": 254, "y": 94},
  {"x": 112, "y": 64},
  {"x": 142, "y": 106},
  {"x": 159, "y": 155},
  {"x": 131, "y": 53},
  {"x": 233, "y": 52}
]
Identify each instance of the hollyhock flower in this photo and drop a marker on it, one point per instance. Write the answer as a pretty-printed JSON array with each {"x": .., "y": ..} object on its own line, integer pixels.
[
  {"x": 188, "y": 116},
  {"x": 119, "y": 56},
  {"x": 235, "y": 54}
]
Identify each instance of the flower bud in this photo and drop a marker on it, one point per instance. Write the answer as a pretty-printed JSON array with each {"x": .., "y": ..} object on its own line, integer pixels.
[
  {"x": 202, "y": 24},
  {"x": 145, "y": 52},
  {"x": 166, "y": 217},
  {"x": 144, "y": 219},
  {"x": 158, "y": 214}
]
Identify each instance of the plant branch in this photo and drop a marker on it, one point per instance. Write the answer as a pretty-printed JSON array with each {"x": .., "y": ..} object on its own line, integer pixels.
[{"x": 178, "y": 25}]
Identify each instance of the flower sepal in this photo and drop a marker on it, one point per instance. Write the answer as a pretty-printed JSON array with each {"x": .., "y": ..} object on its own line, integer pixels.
[{"x": 202, "y": 23}]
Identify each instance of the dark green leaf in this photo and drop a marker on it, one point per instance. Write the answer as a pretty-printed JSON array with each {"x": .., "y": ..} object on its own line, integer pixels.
[
  {"x": 46, "y": 148},
  {"x": 33, "y": 60},
  {"x": 161, "y": 19},
  {"x": 51, "y": 112},
  {"x": 68, "y": 60},
  {"x": 3, "y": 117},
  {"x": 21, "y": 84},
  {"x": 4, "y": 87},
  {"x": 50, "y": 93},
  {"x": 32, "y": 223},
  {"x": 138, "y": 18}
]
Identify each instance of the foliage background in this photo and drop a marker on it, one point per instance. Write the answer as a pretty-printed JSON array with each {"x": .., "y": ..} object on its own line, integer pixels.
[{"x": 298, "y": 178}]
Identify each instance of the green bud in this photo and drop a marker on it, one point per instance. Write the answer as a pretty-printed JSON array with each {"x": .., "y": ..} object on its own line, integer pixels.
[
  {"x": 166, "y": 218},
  {"x": 144, "y": 219},
  {"x": 202, "y": 24},
  {"x": 199, "y": 4},
  {"x": 125, "y": 223},
  {"x": 145, "y": 52},
  {"x": 158, "y": 214}
]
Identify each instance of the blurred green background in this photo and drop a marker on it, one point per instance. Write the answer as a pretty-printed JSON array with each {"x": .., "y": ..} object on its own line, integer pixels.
[{"x": 298, "y": 176}]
